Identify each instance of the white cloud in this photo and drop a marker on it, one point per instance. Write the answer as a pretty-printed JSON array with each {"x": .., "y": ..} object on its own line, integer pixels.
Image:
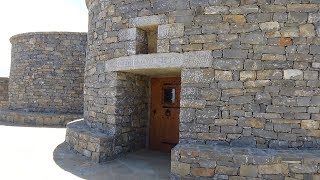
[{"x": 20, "y": 16}]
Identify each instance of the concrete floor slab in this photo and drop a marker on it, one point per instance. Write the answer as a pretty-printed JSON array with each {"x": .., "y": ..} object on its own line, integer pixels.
[{"x": 39, "y": 153}]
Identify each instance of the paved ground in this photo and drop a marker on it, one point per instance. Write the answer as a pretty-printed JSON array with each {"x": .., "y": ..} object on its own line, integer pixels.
[{"x": 38, "y": 153}]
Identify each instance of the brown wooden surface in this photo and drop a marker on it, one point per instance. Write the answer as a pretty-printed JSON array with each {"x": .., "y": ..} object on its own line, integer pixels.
[{"x": 164, "y": 118}]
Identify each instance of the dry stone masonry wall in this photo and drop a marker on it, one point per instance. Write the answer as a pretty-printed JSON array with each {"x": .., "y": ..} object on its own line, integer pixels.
[
  {"x": 256, "y": 84},
  {"x": 4, "y": 92},
  {"x": 47, "y": 72},
  {"x": 46, "y": 78}
]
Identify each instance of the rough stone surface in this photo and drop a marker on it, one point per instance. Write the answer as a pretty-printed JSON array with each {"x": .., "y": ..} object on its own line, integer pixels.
[
  {"x": 242, "y": 163},
  {"x": 249, "y": 78},
  {"x": 47, "y": 71},
  {"x": 4, "y": 92}
]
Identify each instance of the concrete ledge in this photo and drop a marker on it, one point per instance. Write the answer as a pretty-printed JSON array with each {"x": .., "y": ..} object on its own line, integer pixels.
[
  {"x": 37, "y": 119},
  {"x": 99, "y": 147},
  {"x": 193, "y": 161},
  {"x": 165, "y": 62}
]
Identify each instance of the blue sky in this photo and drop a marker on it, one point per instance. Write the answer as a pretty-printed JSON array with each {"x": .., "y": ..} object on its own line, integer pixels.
[{"x": 20, "y": 16}]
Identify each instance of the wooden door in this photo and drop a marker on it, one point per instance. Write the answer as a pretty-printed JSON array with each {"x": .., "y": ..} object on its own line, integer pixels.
[{"x": 165, "y": 111}]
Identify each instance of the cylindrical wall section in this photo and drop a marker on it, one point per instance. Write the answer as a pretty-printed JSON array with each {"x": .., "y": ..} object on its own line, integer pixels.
[{"x": 47, "y": 72}]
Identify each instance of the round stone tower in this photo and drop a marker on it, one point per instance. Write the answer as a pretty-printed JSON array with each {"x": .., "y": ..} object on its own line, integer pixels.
[
  {"x": 249, "y": 100},
  {"x": 46, "y": 77}
]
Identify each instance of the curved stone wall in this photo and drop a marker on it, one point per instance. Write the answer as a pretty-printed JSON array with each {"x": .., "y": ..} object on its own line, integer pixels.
[
  {"x": 249, "y": 73},
  {"x": 261, "y": 88},
  {"x": 47, "y": 72},
  {"x": 3, "y": 91}
]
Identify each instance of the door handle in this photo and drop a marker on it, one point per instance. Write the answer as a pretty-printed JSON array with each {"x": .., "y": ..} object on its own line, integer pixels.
[{"x": 168, "y": 112}]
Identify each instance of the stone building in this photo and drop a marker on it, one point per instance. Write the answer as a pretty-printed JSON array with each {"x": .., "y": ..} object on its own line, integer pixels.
[
  {"x": 230, "y": 87},
  {"x": 46, "y": 78}
]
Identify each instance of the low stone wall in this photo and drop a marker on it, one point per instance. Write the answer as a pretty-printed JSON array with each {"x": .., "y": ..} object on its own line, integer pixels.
[
  {"x": 3, "y": 92},
  {"x": 95, "y": 145},
  {"x": 234, "y": 163},
  {"x": 37, "y": 119}
]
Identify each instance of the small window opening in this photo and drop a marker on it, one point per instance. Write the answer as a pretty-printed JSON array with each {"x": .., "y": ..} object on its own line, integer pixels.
[
  {"x": 169, "y": 95},
  {"x": 147, "y": 40}
]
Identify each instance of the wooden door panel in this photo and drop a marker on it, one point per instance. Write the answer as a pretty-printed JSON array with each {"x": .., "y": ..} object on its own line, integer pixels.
[{"x": 165, "y": 110}]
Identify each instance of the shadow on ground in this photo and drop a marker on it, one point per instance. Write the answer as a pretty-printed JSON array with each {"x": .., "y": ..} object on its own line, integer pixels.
[{"x": 140, "y": 165}]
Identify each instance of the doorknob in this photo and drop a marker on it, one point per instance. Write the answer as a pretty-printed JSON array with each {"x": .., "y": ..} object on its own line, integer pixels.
[{"x": 168, "y": 112}]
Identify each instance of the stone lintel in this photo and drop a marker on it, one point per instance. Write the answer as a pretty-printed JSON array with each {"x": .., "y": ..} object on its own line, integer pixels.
[
  {"x": 145, "y": 21},
  {"x": 164, "y": 62}
]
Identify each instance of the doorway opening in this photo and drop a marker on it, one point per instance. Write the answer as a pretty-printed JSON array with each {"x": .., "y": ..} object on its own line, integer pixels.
[{"x": 164, "y": 113}]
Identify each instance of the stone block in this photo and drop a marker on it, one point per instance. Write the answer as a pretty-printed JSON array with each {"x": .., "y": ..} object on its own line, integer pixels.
[
  {"x": 225, "y": 122},
  {"x": 241, "y": 100},
  {"x": 293, "y": 74},
  {"x": 196, "y": 39},
  {"x": 303, "y": 168},
  {"x": 314, "y": 17},
  {"x": 315, "y": 101},
  {"x": 297, "y": 17},
  {"x": 145, "y": 21},
  {"x": 315, "y": 49},
  {"x": 307, "y": 30},
  {"x": 222, "y": 64},
  {"x": 197, "y": 75},
  {"x": 269, "y": 74},
  {"x": 253, "y": 38},
  {"x": 210, "y": 94},
  {"x": 245, "y": 141},
  {"x": 246, "y": 9},
  {"x": 199, "y": 59},
  {"x": 285, "y": 41},
  {"x": 187, "y": 115},
  {"x": 207, "y": 113},
  {"x": 231, "y": 129},
  {"x": 230, "y": 84},
  {"x": 235, "y": 53},
  {"x": 259, "y": 17},
  {"x": 303, "y": 101},
  {"x": 226, "y": 170},
  {"x": 290, "y": 32},
  {"x": 248, "y": 75},
  {"x": 223, "y": 75},
  {"x": 264, "y": 134},
  {"x": 203, "y": 172},
  {"x": 263, "y": 49},
  {"x": 191, "y": 103},
  {"x": 303, "y": 7},
  {"x": 212, "y": 136},
  {"x": 238, "y": 19},
  {"x": 273, "y": 57},
  {"x": 218, "y": 28},
  {"x": 270, "y": 26},
  {"x": 273, "y": 8},
  {"x": 252, "y": 123},
  {"x": 216, "y": 10},
  {"x": 127, "y": 34},
  {"x": 309, "y": 124},
  {"x": 182, "y": 169},
  {"x": 311, "y": 75},
  {"x": 274, "y": 169},
  {"x": 171, "y": 31},
  {"x": 256, "y": 84},
  {"x": 249, "y": 171}
]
